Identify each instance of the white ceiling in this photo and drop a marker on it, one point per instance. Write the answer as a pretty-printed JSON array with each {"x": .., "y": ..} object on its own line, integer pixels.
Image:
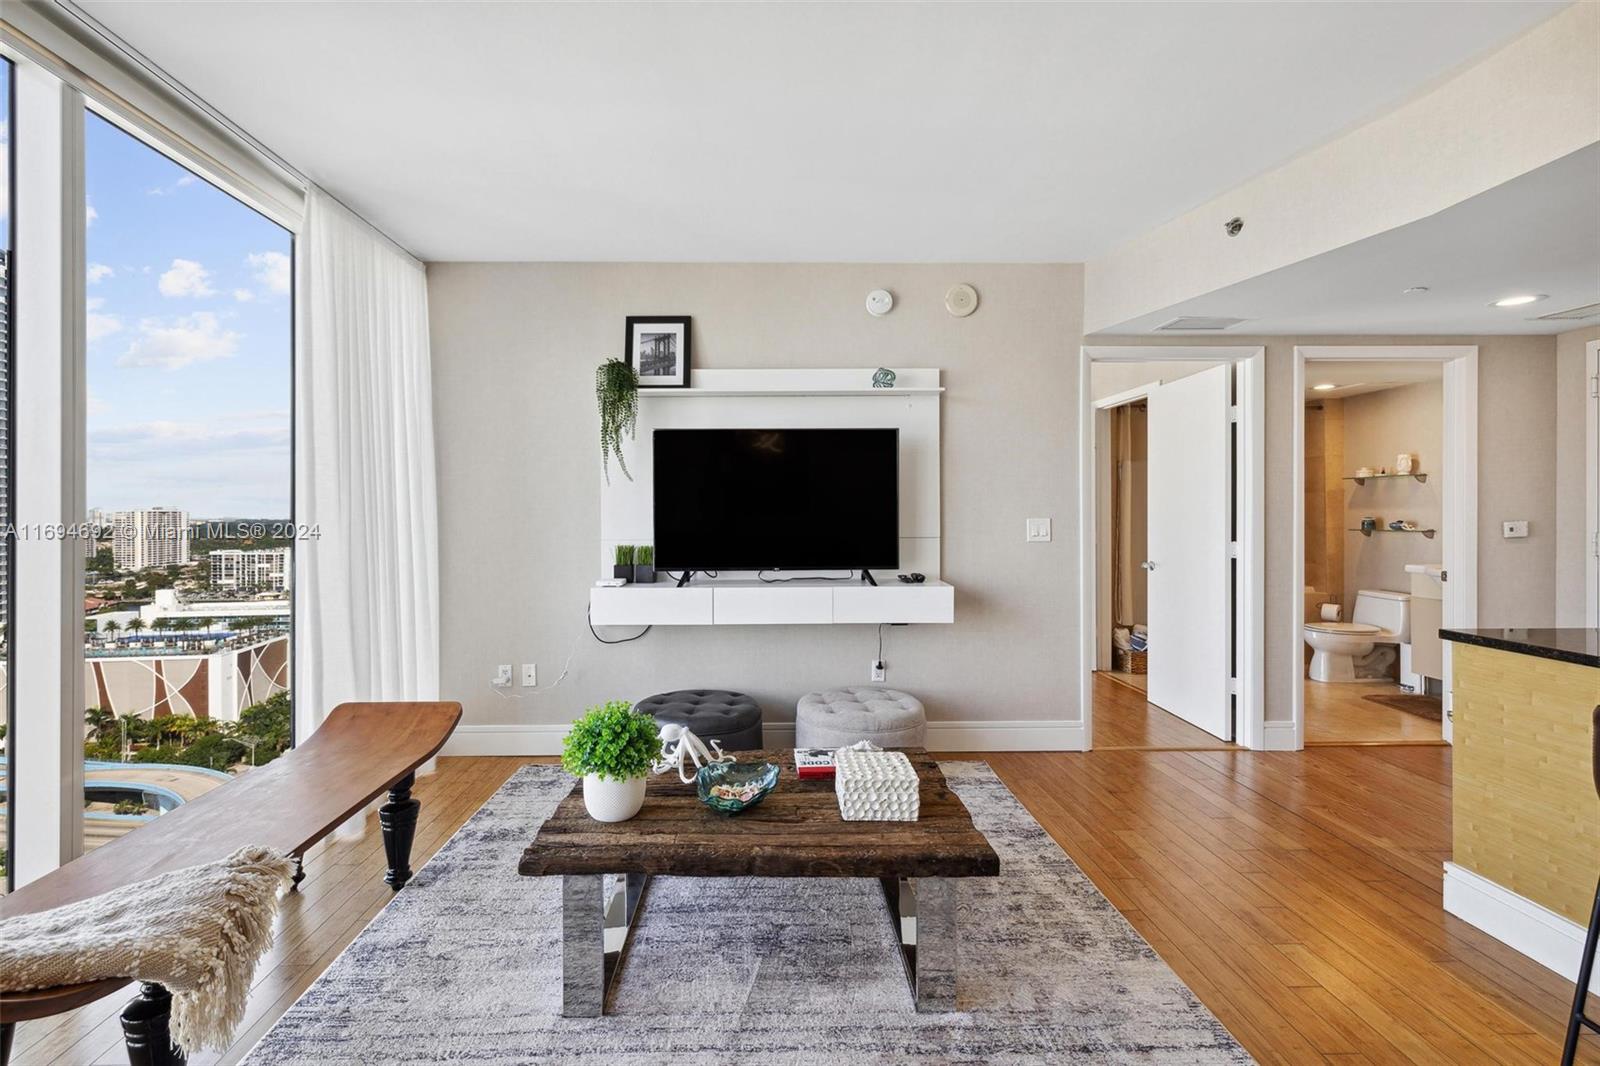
[
  {"x": 1536, "y": 234},
  {"x": 1355, "y": 377},
  {"x": 797, "y": 132}
]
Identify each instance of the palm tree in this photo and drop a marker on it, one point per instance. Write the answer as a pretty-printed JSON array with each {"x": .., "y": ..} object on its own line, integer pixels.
[
  {"x": 90, "y": 626},
  {"x": 110, "y": 627},
  {"x": 135, "y": 625},
  {"x": 98, "y": 721}
]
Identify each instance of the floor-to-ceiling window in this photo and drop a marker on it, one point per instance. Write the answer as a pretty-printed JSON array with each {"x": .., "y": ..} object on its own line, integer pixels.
[{"x": 187, "y": 556}]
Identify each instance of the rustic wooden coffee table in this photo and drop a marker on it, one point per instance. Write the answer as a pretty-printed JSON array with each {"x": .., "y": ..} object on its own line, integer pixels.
[{"x": 795, "y": 832}]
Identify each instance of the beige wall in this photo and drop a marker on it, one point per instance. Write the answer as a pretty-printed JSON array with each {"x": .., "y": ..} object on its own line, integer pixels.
[
  {"x": 514, "y": 352},
  {"x": 1516, "y": 453},
  {"x": 1571, "y": 469},
  {"x": 1378, "y": 426},
  {"x": 1527, "y": 104}
]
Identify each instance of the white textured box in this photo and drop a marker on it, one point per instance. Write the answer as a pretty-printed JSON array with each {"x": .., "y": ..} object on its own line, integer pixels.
[{"x": 875, "y": 786}]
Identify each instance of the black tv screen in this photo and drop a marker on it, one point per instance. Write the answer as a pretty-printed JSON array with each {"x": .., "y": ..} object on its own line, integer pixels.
[{"x": 777, "y": 499}]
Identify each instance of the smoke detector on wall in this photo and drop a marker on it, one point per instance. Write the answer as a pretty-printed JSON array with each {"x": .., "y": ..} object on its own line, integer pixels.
[{"x": 1197, "y": 323}]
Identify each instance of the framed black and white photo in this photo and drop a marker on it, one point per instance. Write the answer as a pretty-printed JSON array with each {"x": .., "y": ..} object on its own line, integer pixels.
[{"x": 658, "y": 350}]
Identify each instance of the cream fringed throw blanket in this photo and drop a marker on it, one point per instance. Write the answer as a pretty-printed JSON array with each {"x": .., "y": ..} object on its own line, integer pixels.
[{"x": 199, "y": 931}]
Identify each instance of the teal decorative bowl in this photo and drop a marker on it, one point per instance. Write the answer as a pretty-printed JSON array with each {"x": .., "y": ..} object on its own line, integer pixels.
[{"x": 731, "y": 787}]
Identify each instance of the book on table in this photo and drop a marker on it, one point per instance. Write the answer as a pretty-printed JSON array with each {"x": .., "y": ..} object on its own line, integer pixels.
[{"x": 813, "y": 762}]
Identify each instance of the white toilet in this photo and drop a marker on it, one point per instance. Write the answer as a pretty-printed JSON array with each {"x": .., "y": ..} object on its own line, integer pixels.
[{"x": 1381, "y": 617}]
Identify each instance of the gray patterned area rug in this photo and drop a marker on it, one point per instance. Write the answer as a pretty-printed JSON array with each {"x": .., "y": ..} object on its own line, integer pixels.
[{"x": 464, "y": 965}]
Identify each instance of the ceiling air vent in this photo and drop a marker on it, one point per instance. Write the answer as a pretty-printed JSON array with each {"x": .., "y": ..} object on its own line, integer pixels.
[
  {"x": 1194, "y": 323},
  {"x": 1587, "y": 311}
]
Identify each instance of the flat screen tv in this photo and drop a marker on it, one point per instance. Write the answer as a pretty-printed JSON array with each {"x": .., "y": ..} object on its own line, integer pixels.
[{"x": 777, "y": 499}]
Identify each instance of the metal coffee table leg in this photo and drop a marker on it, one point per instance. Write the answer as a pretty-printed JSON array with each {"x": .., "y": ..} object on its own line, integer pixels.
[
  {"x": 924, "y": 914},
  {"x": 595, "y": 932}
]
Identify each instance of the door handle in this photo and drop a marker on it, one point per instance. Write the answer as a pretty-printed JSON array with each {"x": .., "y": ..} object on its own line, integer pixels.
[{"x": 1147, "y": 565}]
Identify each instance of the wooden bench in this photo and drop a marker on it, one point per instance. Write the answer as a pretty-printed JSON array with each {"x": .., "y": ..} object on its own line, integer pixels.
[{"x": 358, "y": 753}]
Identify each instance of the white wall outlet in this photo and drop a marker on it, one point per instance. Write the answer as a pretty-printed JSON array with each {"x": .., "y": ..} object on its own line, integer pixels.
[
  {"x": 502, "y": 676},
  {"x": 1518, "y": 528},
  {"x": 1038, "y": 530},
  {"x": 530, "y": 675},
  {"x": 878, "y": 671}
]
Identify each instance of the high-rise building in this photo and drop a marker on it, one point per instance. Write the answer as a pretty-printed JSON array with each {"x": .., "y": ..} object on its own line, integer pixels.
[
  {"x": 158, "y": 536},
  {"x": 260, "y": 568}
]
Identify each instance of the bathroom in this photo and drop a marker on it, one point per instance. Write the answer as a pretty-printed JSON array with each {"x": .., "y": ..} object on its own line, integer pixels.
[{"x": 1374, "y": 522}]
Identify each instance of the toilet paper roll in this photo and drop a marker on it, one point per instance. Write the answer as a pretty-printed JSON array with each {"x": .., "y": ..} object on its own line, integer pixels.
[{"x": 1330, "y": 612}]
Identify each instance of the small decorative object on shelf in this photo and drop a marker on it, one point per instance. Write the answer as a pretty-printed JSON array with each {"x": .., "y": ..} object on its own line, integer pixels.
[
  {"x": 616, "y": 390},
  {"x": 873, "y": 785},
  {"x": 883, "y": 378},
  {"x": 1404, "y": 463},
  {"x": 613, "y": 748},
  {"x": 679, "y": 747},
  {"x": 729, "y": 788},
  {"x": 622, "y": 562},
  {"x": 644, "y": 565},
  {"x": 1368, "y": 524},
  {"x": 813, "y": 762},
  {"x": 658, "y": 348}
]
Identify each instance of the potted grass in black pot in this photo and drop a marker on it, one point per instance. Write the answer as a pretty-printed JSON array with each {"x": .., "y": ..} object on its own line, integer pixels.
[
  {"x": 644, "y": 565},
  {"x": 622, "y": 562}
]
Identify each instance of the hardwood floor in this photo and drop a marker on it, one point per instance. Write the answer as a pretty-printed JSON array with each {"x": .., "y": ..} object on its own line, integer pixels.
[
  {"x": 1341, "y": 714},
  {"x": 1298, "y": 894},
  {"x": 1123, "y": 720}
]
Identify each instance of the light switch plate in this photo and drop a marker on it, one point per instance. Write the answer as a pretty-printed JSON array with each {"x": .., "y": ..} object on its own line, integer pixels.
[
  {"x": 530, "y": 675},
  {"x": 1038, "y": 530},
  {"x": 1518, "y": 528}
]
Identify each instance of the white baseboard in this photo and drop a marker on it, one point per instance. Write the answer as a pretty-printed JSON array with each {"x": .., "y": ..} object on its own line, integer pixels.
[
  {"x": 506, "y": 739},
  {"x": 1043, "y": 735},
  {"x": 545, "y": 739},
  {"x": 1278, "y": 736},
  {"x": 1541, "y": 934}
]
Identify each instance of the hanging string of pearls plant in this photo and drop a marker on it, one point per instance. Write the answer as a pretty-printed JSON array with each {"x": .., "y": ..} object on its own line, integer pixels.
[{"x": 616, "y": 389}]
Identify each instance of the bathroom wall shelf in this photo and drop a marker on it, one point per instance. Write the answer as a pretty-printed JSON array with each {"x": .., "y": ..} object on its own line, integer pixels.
[
  {"x": 1429, "y": 533},
  {"x": 1375, "y": 477}
]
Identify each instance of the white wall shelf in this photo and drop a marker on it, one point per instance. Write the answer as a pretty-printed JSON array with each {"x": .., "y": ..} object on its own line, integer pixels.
[
  {"x": 800, "y": 602},
  {"x": 693, "y": 391}
]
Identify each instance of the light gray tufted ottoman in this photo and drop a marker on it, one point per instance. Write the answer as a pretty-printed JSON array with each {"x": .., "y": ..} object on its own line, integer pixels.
[{"x": 839, "y": 717}]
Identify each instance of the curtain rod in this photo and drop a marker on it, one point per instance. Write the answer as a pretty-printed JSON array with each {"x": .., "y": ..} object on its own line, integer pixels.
[{"x": 92, "y": 25}]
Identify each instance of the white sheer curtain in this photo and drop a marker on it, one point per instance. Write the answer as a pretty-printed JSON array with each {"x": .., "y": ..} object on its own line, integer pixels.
[{"x": 367, "y": 586}]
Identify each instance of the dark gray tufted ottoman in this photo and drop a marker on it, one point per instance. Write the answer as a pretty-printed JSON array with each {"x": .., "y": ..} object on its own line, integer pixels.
[{"x": 731, "y": 718}]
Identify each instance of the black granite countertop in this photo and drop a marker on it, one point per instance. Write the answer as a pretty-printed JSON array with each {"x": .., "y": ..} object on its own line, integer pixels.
[{"x": 1580, "y": 646}]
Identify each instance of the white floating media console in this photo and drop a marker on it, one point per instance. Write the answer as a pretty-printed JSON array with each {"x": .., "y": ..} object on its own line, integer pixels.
[
  {"x": 790, "y": 398},
  {"x": 755, "y": 603}
]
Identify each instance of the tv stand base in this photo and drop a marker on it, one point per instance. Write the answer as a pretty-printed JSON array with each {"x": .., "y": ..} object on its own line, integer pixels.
[{"x": 866, "y": 575}]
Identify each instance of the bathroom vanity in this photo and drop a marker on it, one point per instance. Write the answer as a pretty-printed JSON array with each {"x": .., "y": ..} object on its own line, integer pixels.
[{"x": 1526, "y": 820}]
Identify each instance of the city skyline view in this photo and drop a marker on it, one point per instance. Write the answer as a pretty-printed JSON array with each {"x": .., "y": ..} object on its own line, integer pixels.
[{"x": 189, "y": 339}]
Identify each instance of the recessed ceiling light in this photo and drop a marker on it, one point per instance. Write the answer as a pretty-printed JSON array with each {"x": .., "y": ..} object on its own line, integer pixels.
[
  {"x": 1324, "y": 387},
  {"x": 1519, "y": 301},
  {"x": 1416, "y": 290}
]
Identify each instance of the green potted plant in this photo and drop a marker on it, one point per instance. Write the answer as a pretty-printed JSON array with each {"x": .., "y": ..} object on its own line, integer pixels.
[
  {"x": 622, "y": 562},
  {"x": 644, "y": 565},
  {"x": 612, "y": 747},
  {"x": 616, "y": 390}
]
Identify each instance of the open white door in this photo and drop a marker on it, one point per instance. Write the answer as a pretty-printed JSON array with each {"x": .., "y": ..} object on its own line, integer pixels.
[{"x": 1189, "y": 598}]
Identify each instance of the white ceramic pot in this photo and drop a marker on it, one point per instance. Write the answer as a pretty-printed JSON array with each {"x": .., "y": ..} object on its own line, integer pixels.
[{"x": 610, "y": 800}]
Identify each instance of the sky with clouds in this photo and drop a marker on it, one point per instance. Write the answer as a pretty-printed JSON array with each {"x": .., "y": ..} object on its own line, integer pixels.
[{"x": 189, "y": 339}]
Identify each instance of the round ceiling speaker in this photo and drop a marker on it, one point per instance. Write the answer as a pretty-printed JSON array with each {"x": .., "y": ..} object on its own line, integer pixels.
[
  {"x": 961, "y": 300},
  {"x": 879, "y": 303}
]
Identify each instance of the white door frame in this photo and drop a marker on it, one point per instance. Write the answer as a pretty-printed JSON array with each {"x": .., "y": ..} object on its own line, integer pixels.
[
  {"x": 1459, "y": 491},
  {"x": 1591, "y": 510},
  {"x": 1250, "y": 521}
]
